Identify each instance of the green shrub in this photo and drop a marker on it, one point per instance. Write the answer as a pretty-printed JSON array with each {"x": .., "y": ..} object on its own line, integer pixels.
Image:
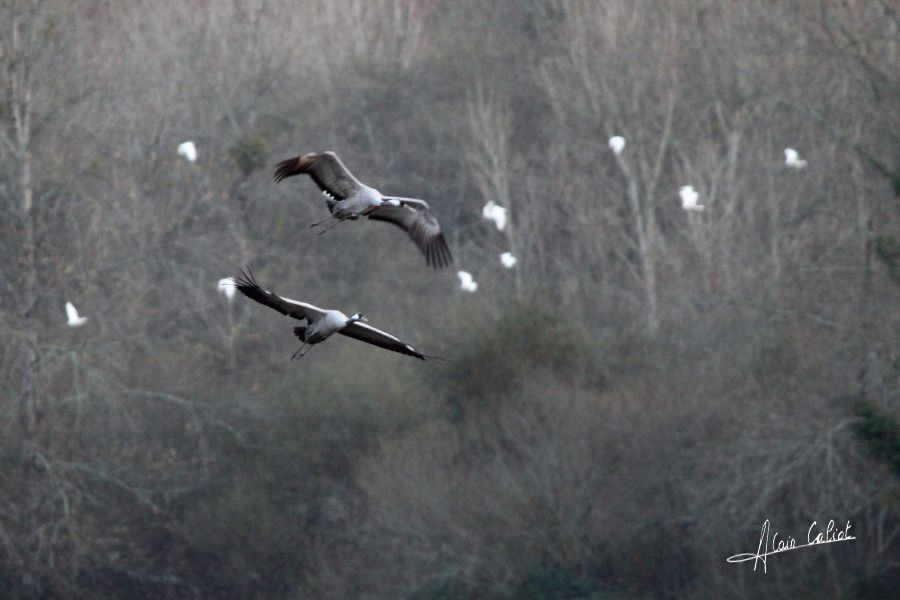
[
  {"x": 494, "y": 357},
  {"x": 775, "y": 359},
  {"x": 250, "y": 153},
  {"x": 381, "y": 391},
  {"x": 887, "y": 250},
  {"x": 548, "y": 583},
  {"x": 879, "y": 432}
]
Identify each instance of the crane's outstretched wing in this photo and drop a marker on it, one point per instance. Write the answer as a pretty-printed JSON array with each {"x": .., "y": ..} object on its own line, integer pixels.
[
  {"x": 415, "y": 217},
  {"x": 369, "y": 334},
  {"x": 325, "y": 168},
  {"x": 246, "y": 284}
]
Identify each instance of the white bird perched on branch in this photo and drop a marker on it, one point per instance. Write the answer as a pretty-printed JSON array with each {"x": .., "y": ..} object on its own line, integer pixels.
[
  {"x": 496, "y": 213},
  {"x": 226, "y": 286},
  {"x": 617, "y": 144},
  {"x": 188, "y": 151},
  {"x": 508, "y": 260},
  {"x": 689, "y": 198},
  {"x": 74, "y": 320},
  {"x": 466, "y": 282},
  {"x": 792, "y": 159}
]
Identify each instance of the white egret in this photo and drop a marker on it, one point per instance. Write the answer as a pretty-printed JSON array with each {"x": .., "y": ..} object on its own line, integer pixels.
[
  {"x": 466, "y": 282},
  {"x": 689, "y": 198},
  {"x": 792, "y": 159},
  {"x": 74, "y": 320},
  {"x": 496, "y": 213},
  {"x": 617, "y": 144},
  {"x": 188, "y": 151},
  {"x": 226, "y": 286},
  {"x": 508, "y": 260}
]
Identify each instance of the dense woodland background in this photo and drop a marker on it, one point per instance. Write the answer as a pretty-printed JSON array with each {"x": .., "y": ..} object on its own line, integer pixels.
[{"x": 618, "y": 414}]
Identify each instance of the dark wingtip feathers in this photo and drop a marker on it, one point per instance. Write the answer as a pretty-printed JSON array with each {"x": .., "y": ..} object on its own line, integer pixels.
[
  {"x": 245, "y": 280},
  {"x": 437, "y": 253},
  {"x": 246, "y": 284},
  {"x": 286, "y": 168}
]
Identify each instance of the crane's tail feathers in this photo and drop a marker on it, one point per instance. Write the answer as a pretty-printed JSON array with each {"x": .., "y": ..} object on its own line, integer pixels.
[{"x": 300, "y": 332}]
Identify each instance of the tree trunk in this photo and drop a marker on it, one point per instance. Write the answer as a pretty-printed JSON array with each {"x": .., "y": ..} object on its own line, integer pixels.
[
  {"x": 19, "y": 138},
  {"x": 865, "y": 322}
]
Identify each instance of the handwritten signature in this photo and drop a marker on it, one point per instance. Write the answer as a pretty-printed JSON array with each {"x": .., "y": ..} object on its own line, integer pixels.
[{"x": 787, "y": 543}]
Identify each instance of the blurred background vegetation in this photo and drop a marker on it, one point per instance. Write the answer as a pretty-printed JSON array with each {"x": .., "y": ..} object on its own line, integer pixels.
[{"x": 618, "y": 414}]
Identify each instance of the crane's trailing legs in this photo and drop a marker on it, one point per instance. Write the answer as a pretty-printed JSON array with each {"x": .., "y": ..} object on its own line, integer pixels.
[
  {"x": 330, "y": 227},
  {"x": 301, "y": 351},
  {"x": 322, "y": 221}
]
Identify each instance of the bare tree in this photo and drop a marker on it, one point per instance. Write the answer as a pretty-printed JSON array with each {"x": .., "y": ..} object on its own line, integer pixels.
[
  {"x": 489, "y": 157},
  {"x": 30, "y": 42}
]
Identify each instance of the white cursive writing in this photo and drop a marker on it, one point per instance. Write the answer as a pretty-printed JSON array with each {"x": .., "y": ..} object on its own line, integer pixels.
[{"x": 766, "y": 549}]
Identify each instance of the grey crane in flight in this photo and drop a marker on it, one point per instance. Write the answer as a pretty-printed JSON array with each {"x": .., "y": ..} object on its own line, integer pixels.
[
  {"x": 321, "y": 323},
  {"x": 348, "y": 199}
]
